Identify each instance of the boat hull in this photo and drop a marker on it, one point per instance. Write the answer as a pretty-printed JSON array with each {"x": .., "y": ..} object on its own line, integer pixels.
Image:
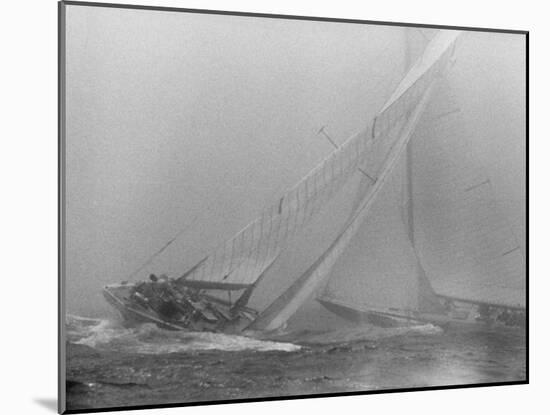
[
  {"x": 122, "y": 298},
  {"x": 465, "y": 317},
  {"x": 118, "y": 297},
  {"x": 357, "y": 316}
]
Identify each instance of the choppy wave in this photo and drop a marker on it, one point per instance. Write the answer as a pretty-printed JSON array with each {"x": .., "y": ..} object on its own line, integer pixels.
[{"x": 107, "y": 335}]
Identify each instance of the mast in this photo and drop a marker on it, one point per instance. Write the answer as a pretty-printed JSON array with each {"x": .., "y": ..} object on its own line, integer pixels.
[
  {"x": 408, "y": 150},
  {"x": 409, "y": 191},
  {"x": 424, "y": 291},
  {"x": 425, "y": 296}
]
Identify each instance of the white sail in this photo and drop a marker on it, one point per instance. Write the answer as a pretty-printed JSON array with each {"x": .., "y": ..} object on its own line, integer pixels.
[
  {"x": 465, "y": 241},
  {"x": 291, "y": 300},
  {"x": 399, "y": 117},
  {"x": 379, "y": 270},
  {"x": 238, "y": 262},
  {"x": 410, "y": 90}
]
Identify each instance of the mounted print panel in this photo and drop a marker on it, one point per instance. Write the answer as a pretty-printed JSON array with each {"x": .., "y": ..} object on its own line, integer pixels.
[{"x": 256, "y": 207}]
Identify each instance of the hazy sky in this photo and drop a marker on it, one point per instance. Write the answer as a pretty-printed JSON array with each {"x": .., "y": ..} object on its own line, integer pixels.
[{"x": 186, "y": 121}]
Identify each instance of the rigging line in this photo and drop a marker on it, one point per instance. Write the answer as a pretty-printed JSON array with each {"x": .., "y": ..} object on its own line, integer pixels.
[
  {"x": 475, "y": 186},
  {"x": 492, "y": 191},
  {"x": 503, "y": 215},
  {"x": 322, "y": 131},
  {"x": 457, "y": 110},
  {"x": 166, "y": 245},
  {"x": 445, "y": 114},
  {"x": 372, "y": 179},
  {"x": 251, "y": 249},
  {"x": 510, "y": 251}
]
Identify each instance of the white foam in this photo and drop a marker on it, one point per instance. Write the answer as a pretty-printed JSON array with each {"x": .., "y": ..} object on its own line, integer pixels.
[{"x": 149, "y": 339}]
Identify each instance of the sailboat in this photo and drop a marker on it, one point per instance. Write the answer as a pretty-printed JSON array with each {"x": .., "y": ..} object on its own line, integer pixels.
[
  {"x": 215, "y": 294},
  {"x": 439, "y": 249}
]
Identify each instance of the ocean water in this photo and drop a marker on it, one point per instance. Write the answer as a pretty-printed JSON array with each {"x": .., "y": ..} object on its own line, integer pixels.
[{"x": 110, "y": 366}]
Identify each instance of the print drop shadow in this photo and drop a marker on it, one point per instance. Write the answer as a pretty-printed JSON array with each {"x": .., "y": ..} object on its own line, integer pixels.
[{"x": 48, "y": 403}]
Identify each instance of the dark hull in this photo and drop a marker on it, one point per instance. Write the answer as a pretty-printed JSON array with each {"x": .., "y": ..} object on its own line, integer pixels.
[
  {"x": 356, "y": 316},
  {"x": 133, "y": 315},
  {"x": 390, "y": 318},
  {"x": 120, "y": 297}
]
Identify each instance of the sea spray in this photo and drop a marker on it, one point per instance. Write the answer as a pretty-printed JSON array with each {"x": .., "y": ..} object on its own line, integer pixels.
[
  {"x": 113, "y": 365},
  {"x": 107, "y": 335}
]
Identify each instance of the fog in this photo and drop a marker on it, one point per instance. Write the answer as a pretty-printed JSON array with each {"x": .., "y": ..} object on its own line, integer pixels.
[{"x": 187, "y": 122}]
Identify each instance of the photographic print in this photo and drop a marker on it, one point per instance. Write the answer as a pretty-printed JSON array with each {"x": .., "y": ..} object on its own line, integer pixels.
[{"x": 256, "y": 207}]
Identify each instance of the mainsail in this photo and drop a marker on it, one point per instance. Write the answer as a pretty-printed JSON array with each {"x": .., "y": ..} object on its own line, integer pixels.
[
  {"x": 379, "y": 271},
  {"x": 465, "y": 241},
  {"x": 399, "y": 117},
  {"x": 456, "y": 242}
]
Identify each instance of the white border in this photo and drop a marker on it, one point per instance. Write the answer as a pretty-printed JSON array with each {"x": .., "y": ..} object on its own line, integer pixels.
[{"x": 29, "y": 189}]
